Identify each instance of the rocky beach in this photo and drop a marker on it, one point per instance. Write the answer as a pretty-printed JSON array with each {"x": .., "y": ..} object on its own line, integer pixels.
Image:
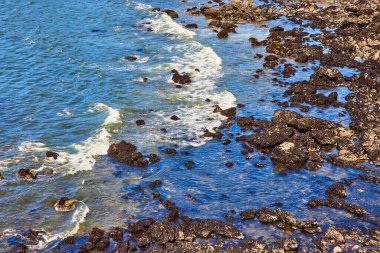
[{"x": 281, "y": 153}]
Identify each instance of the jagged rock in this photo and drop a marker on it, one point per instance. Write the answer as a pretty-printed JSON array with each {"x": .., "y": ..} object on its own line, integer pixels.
[{"x": 65, "y": 205}]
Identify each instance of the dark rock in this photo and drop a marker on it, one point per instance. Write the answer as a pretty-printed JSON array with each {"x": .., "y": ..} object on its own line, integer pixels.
[
  {"x": 229, "y": 113},
  {"x": 171, "y": 13},
  {"x": 254, "y": 42},
  {"x": 26, "y": 174},
  {"x": 155, "y": 184},
  {"x": 181, "y": 79},
  {"x": 267, "y": 215},
  {"x": 229, "y": 164},
  {"x": 337, "y": 204},
  {"x": 289, "y": 70},
  {"x": 174, "y": 117},
  {"x": 222, "y": 34},
  {"x": 204, "y": 228},
  {"x": 248, "y": 214},
  {"x": 337, "y": 190},
  {"x": 22, "y": 248},
  {"x": 189, "y": 164},
  {"x": 95, "y": 235},
  {"x": 65, "y": 205},
  {"x": 216, "y": 134},
  {"x": 140, "y": 122},
  {"x": 246, "y": 122},
  {"x": 153, "y": 158},
  {"x": 52, "y": 154},
  {"x": 191, "y": 26},
  {"x": 69, "y": 240},
  {"x": 334, "y": 234},
  {"x": 273, "y": 136},
  {"x": 140, "y": 225},
  {"x": 125, "y": 152},
  {"x": 226, "y": 142},
  {"x": 170, "y": 151},
  {"x": 130, "y": 58}
]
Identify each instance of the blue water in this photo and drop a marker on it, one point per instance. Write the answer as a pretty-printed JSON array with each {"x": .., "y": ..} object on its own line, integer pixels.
[{"x": 65, "y": 86}]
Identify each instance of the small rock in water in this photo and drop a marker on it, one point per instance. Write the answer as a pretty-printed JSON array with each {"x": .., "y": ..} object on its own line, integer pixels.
[
  {"x": 189, "y": 164},
  {"x": 26, "y": 174},
  {"x": 171, "y": 13},
  {"x": 1, "y": 177},
  {"x": 174, "y": 117},
  {"x": 181, "y": 79},
  {"x": 65, "y": 205},
  {"x": 52, "y": 154},
  {"x": 140, "y": 122},
  {"x": 153, "y": 158},
  {"x": 69, "y": 240},
  {"x": 170, "y": 151},
  {"x": 130, "y": 58},
  {"x": 194, "y": 26},
  {"x": 229, "y": 164}
]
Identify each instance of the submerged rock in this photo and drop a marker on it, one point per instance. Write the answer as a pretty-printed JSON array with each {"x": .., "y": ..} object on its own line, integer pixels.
[
  {"x": 140, "y": 122},
  {"x": 65, "y": 205},
  {"x": 337, "y": 204},
  {"x": 130, "y": 58},
  {"x": 191, "y": 26}
]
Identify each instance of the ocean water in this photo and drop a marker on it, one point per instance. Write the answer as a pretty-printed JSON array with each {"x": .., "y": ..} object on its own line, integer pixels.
[{"x": 65, "y": 86}]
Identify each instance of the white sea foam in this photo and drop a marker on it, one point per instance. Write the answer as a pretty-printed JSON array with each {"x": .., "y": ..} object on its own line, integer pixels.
[
  {"x": 196, "y": 115},
  {"x": 85, "y": 152},
  {"x": 73, "y": 225},
  {"x": 64, "y": 112}
]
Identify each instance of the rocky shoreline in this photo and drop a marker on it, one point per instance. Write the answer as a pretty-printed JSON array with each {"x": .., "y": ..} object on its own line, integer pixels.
[{"x": 350, "y": 30}]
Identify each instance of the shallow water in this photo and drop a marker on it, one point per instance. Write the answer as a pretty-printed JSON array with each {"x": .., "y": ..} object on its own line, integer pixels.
[{"x": 64, "y": 86}]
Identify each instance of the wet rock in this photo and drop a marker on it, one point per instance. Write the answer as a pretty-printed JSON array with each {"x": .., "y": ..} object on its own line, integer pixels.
[
  {"x": 246, "y": 122},
  {"x": 273, "y": 136},
  {"x": 254, "y": 246},
  {"x": 229, "y": 164},
  {"x": 52, "y": 154},
  {"x": 375, "y": 180},
  {"x": 155, "y": 184},
  {"x": 174, "y": 117},
  {"x": 95, "y": 235},
  {"x": 254, "y": 42},
  {"x": 226, "y": 142},
  {"x": 153, "y": 158},
  {"x": 22, "y": 248},
  {"x": 334, "y": 234},
  {"x": 171, "y": 13},
  {"x": 289, "y": 70},
  {"x": 140, "y": 122},
  {"x": 26, "y": 174},
  {"x": 1, "y": 177},
  {"x": 337, "y": 190},
  {"x": 286, "y": 217},
  {"x": 191, "y": 26},
  {"x": 204, "y": 228},
  {"x": 183, "y": 78},
  {"x": 140, "y": 225},
  {"x": 248, "y": 214},
  {"x": 125, "y": 152},
  {"x": 229, "y": 113},
  {"x": 189, "y": 164},
  {"x": 267, "y": 215},
  {"x": 211, "y": 13},
  {"x": 290, "y": 244},
  {"x": 64, "y": 205},
  {"x": 130, "y": 58},
  {"x": 222, "y": 34},
  {"x": 170, "y": 151},
  {"x": 69, "y": 240},
  {"x": 215, "y": 134},
  {"x": 337, "y": 204}
]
